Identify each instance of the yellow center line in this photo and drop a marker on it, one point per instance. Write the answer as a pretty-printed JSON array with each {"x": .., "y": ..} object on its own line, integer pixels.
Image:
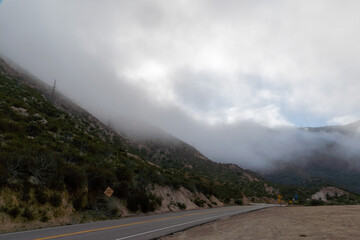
[{"x": 125, "y": 225}]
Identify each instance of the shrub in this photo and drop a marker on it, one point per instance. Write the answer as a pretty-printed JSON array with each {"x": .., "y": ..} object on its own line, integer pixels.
[
  {"x": 80, "y": 202},
  {"x": 54, "y": 128},
  {"x": 139, "y": 200},
  {"x": 123, "y": 174},
  {"x": 74, "y": 177},
  {"x": 55, "y": 200},
  {"x": 175, "y": 183},
  {"x": 99, "y": 178},
  {"x": 315, "y": 202},
  {"x": 181, "y": 205},
  {"x": 13, "y": 211},
  {"x": 133, "y": 201},
  {"x": 199, "y": 202},
  {"x": 33, "y": 129},
  {"x": 121, "y": 189},
  {"x": 29, "y": 214},
  {"x": 4, "y": 175},
  {"x": 26, "y": 193},
  {"x": 41, "y": 196},
  {"x": 44, "y": 216},
  {"x": 238, "y": 202}
]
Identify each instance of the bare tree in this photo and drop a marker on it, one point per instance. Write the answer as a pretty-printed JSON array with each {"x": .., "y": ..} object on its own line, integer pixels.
[
  {"x": 13, "y": 169},
  {"x": 41, "y": 166},
  {"x": 53, "y": 89}
]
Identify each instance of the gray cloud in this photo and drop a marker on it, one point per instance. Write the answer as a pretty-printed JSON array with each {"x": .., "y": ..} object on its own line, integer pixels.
[{"x": 222, "y": 75}]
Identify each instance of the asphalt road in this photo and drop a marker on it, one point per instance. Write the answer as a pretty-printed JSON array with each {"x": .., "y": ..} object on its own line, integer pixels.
[{"x": 144, "y": 227}]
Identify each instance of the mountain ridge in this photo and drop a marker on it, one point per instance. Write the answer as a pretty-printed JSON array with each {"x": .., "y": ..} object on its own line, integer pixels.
[
  {"x": 57, "y": 159},
  {"x": 328, "y": 163}
]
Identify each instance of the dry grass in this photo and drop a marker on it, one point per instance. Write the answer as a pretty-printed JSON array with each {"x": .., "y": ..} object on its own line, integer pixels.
[{"x": 325, "y": 222}]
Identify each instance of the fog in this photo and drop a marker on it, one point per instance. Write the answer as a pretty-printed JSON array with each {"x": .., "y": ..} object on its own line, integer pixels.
[{"x": 233, "y": 78}]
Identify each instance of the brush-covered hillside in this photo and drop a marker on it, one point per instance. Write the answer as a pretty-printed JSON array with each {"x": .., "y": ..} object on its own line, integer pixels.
[
  {"x": 56, "y": 160},
  {"x": 332, "y": 162},
  {"x": 164, "y": 150}
]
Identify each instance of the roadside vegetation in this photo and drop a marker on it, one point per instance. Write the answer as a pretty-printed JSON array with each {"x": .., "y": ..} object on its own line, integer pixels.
[
  {"x": 305, "y": 193},
  {"x": 56, "y": 161}
]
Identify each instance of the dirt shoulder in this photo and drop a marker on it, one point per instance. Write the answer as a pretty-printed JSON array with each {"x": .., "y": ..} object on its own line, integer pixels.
[{"x": 323, "y": 222}]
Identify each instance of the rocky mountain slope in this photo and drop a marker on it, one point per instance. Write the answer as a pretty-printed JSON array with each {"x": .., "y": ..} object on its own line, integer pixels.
[
  {"x": 56, "y": 160},
  {"x": 164, "y": 150},
  {"x": 331, "y": 163}
]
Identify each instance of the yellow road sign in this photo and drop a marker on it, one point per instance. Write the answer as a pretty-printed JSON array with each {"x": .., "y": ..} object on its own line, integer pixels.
[{"x": 108, "y": 192}]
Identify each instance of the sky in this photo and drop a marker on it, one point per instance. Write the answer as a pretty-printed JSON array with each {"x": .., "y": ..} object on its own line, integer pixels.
[{"x": 201, "y": 70}]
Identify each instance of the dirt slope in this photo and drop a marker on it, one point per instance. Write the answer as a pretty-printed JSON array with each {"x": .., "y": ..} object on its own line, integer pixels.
[{"x": 326, "y": 222}]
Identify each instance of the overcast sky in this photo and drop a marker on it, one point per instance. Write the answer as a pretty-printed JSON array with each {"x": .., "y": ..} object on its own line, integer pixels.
[{"x": 190, "y": 65}]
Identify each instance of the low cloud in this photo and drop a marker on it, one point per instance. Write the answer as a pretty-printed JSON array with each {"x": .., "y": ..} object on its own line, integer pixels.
[{"x": 233, "y": 78}]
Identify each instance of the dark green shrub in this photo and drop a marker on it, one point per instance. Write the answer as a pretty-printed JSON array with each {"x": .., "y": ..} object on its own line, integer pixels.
[
  {"x": 53, "y": 128},
  {"x": 238, "y": 202},
  {"x": 175, "y": 183},
  {"x": 121, "y": 189},
  {"x": 181, "y": 205},
  {"x": 99, "y": 178},
  {"x": 102, "y": 205},
  {"x": 55, "y": 200},
  {"x": 44, "y": 216},
  {"x": 80, "y": 202},
  {"x": 25, "y": 192},
  {"x": 28, "y": 214},
  {"x": 74, "y": 177},
  {"x": 96, "y": 178},
  {"x": 114, "y": 212},
  {"x": 10, "y": 126},
  {"x": 124, "y": 174},
  {"x": 33, "y": 129},
  {"x": 315, "y": 202},
  {"x": 199, "y": 202},
  {"x": 133, "y": 201},
  {"x": 40, "y": 196},
  {"x": 13, "y": 211},
  {"x": 4, "y": 175},
  {"x": 139, "y": 200},
  {"x": 158, "y": 200},
  {"x": 56, "y": 182}
]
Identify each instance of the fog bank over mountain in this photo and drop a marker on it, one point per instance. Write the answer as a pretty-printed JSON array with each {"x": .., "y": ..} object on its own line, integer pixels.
[
  {"x": 258, "y": 147},
  {"x": 235, "y": 79}
]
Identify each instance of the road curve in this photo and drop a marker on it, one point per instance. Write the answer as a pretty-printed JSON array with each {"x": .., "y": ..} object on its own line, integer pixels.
[{"x": 144, "y": 227}]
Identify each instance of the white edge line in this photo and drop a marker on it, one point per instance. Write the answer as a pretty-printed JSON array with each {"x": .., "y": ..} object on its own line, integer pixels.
[
  {"x": 177, "y": 225},
  {"x": 84, "y": 224},
  {"x": 63, "y": 226}
]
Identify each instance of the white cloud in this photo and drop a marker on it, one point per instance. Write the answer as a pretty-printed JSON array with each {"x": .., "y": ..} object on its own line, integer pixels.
[
  {"x": 189, "y": 65},
  {"x": 294, "y": 56},
  {"x": 343, "y": 120}
]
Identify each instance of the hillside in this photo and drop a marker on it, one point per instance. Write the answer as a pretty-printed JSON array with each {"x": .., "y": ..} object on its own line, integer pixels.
[
  {"x": 329, "y": 164},
  {"x": 56, "y": 161},
  {"x": 166, "y": 151}
]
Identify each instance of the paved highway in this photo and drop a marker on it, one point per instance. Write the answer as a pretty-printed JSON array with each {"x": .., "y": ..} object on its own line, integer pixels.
[{"x": 144, "y": 227}]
